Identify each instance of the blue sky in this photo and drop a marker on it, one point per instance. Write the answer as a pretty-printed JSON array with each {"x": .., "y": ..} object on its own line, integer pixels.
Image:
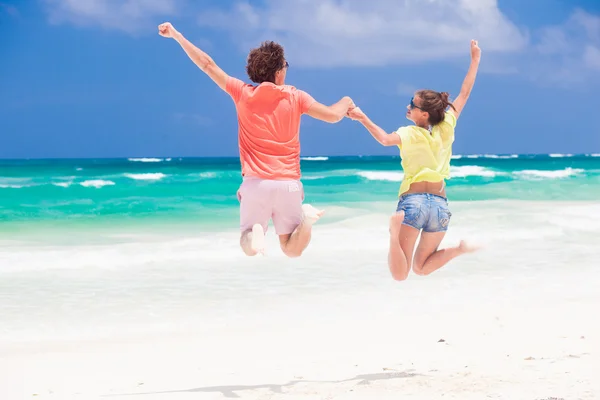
[{"x": 94, "y": 79}]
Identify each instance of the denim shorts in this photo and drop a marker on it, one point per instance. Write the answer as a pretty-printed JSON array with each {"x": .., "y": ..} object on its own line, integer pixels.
[{"x": 425, "y": 211}]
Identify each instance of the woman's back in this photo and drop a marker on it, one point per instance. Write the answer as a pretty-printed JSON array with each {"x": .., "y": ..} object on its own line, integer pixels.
[{"x": 426, "y": 155}]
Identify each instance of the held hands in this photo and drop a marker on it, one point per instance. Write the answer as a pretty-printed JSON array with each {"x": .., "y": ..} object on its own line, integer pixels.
[
  {"x": 351, "y": 113},
  {"x": 167, "y": 30},
  {"x": 349, "y": 102},
  {"x": 355, "y": 113},
  {"x": 475, "y": 51}
]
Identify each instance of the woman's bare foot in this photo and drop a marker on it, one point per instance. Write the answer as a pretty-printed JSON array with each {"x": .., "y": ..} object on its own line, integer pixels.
[
  {"x": 466, "y": 247},
  {"x": 396, "y": 223}
]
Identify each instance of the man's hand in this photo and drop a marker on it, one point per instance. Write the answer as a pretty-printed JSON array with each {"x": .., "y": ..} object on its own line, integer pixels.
[
  {"x": 350, "y": 103},
  {"x": 475, "y": 51},
  {"x": 167, "y": 30},
  {"x": 200, "y": 58}
]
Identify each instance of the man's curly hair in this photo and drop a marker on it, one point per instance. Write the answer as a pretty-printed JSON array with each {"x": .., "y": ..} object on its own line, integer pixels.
[{"x": 264, "y": 62}]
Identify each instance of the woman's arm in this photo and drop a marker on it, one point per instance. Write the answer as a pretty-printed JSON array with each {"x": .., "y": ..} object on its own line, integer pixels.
[
  {"x": 467, "y": 86},
  {"x": 385, "y": 139}
]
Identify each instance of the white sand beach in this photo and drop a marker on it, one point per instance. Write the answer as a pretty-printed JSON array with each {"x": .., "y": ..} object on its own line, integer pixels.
[{"x": 187, "y": 316}]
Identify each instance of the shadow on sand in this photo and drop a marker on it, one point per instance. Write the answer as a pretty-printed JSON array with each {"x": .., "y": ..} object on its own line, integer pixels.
[{"x": 230, "y": 390}]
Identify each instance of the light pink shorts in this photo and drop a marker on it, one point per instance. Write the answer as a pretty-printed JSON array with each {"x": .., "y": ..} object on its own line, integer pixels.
[{"x": 262, "y": 200}]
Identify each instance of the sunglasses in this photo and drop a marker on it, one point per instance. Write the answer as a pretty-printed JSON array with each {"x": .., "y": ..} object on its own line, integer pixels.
[{"x": 413, "y": 105}]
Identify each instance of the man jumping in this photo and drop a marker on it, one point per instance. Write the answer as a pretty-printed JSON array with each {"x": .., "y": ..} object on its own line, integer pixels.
[{"x": 268, "y": 136}]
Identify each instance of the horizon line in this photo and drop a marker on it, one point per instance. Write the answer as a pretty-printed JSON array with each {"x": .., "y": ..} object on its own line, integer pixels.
[{"x": 171, "y": 157}]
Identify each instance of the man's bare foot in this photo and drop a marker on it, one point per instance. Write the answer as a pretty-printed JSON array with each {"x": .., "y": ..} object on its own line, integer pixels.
[
  {"x": 468, "y": 247},
  {"x": 258, "y": 239},
  {"x": 396, "y": 223},
  {"x": 311, "y": 214}
]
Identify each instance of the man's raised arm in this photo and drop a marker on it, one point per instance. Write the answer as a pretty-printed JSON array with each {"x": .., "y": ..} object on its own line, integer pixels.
[{"x": 200, "y": 58}]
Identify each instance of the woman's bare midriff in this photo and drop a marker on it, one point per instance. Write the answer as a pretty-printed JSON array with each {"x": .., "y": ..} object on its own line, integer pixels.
[{"x": 428, "y": 187}]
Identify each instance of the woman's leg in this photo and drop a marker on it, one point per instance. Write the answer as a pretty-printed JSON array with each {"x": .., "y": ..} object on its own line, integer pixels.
[
  {"x": 429, "y": 259},
  {"x": 402, "y": 245}
]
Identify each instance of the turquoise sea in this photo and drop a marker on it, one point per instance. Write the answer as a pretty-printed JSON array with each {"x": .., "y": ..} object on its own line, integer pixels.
[{"x": 66, "y": 193}]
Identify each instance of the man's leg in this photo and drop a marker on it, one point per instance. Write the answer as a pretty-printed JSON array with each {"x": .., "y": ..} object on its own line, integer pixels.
[
  {"x": 253, "y": 240},
  {"x": 294, "y": 244},
  {"x": 293, "y": 221},
  {"x": 255, "y": 213}
]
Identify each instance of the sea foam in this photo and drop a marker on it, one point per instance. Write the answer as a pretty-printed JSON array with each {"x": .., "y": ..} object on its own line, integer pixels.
[
  {"x": 550, "y": 174},
  {"x": 146, "y": 177},
  {"x": 96, "y": 183}
]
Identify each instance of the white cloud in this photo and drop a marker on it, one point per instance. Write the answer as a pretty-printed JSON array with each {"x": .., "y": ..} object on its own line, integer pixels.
[
  {"x": 553, "y": 40},
  {"x": 328, "y": 33},
  {"x": 591, "y": 57},
  {"x": 568, "y": 53},
  {"x": 342, "y": 33},
  {"x": 123, "y": 15},
  {"x": 350, "y": 33}
]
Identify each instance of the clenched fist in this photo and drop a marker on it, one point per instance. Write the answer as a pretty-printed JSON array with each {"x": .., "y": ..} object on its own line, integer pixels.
[{"x": 167, "y": 30}]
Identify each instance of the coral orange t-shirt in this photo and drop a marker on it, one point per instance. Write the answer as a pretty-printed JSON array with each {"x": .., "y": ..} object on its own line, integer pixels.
[{"x": 269, "y": 128}]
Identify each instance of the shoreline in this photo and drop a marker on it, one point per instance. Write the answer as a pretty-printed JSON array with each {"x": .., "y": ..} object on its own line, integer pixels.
[{"x": 162, "y": 224}]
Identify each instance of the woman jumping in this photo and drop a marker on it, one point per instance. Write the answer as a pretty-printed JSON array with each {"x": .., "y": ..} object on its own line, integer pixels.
[{"x": 426, "y": 151}]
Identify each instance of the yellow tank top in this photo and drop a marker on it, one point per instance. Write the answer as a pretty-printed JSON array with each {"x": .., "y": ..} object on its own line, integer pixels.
[{"x": 426, "y": 155}]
